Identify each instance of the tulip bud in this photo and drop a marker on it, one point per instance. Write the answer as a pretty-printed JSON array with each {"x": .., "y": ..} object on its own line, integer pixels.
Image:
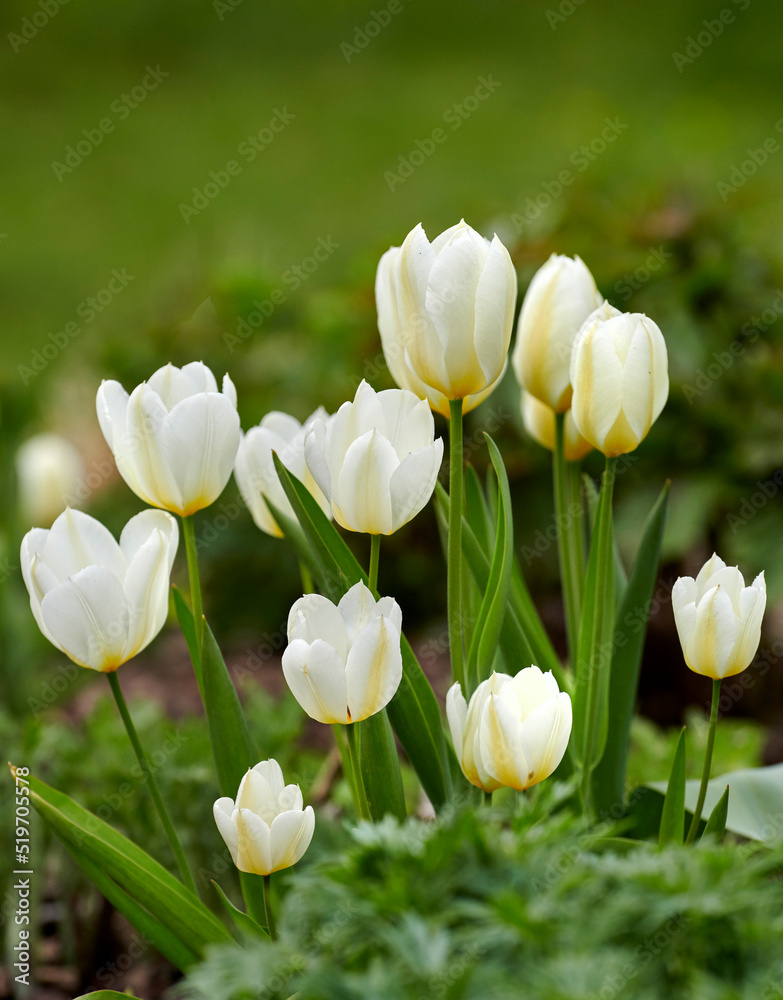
[
  {"x": 539, "y": 421},
  {"x": 376, "y": 460},
  {"x": 559, "y": 299},
  {"x": 175, "y": 437},
  {"x": 456, "y": 299},
  {"x": 343, "y": 664},
  {"x": 514, "y": 732},
  {"x": 620, "y": 380},
  {"x": 49, "y": 470},
  {"x": 718, "y": 619},
  {"x": 255, "y": 471},
  {"x": 266, "y": 829},
  {"x": 98, "y": 602},
  {"x": 393, "y": 340}
]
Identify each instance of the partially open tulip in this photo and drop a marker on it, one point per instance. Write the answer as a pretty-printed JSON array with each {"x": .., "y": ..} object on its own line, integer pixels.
[
  {"x": 539, "y": 421},
  {"x": 266, "y": 828},
  {"x": 514, "y": 732},
  {"x": 98, "y": 602},
  {"x": 718, "y": 618},
  {"x": 49, "y": 470},
  {"x": 175, "y": 437},
  {"x": 376, "y": 460},
  {"x": 619, "y": 373},
  {"x": 559, "y": 299},
  {"x": 456, "y": 299},
  {"x": 255, "y": 469},
  {"x": 393, "y": 339},
  {"x": 343, "y": 663}
]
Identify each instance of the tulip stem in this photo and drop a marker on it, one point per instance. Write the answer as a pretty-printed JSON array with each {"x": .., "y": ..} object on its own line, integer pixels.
[
  {"x": 705, "y": 774},
  {"x": 358, "y": 782},
  {"x": 375, "y": 555},
  {"x": 454, "y": 581},
  {"x": 144, "y": 764},
  {"x": 308, "y": 587},
  {"x": 570, "y": 551},
  {"x": 189, "y": 532},
  {"x": 270, "y": 919}
]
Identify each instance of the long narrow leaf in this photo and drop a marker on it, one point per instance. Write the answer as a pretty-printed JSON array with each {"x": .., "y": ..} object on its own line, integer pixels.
[
  {"x": 243, "y": 921},
  {"x": 716, "y": 824},
  {"x": 380, "y": 767},
  {"x": 672, "y": 829},
  {"x": 496, "y": 594},
  {"x": 413, "y": 711},
  {"x": 628, "y": 640},
  {"x": 139, "y": 875}
]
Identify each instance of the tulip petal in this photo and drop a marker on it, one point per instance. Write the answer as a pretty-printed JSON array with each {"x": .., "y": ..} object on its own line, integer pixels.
[
  {"x": 501, "y": 748},
  {"x": 76, "y": 541},
  {"x": 229, "y": 390},
  {"x": 413, "y": 481},
  {"x": 357, "y": 608},
  {"x": 714, "y": 636},
  {"x": 223, "y": 811},
  {"x": 29, "y": 558},
  {"x": 532, "y": 687},
  {"x": 316, "y": 443},
  {"x": 290, "y": 798},
  {"x": 138, "y": 530},
  {"x": 315, "y": 617},
  {"x": 315, "y": 674},
  {"x": 456, "y": 713},
  {"x": 405, "y": 420},
  {"x": 254, "y": 848},
  {"x": 140, "y": 453},
  {"x": 373, "y": 670},
  {"x": 146, "y": 589},
  {"x": 88, "y": 618},
  {"x": 363, "y": 484},
  {"x": 112, "y": 406},
  {"x": 496, "y": 295},
  {"x": 545, "y": 736},
  {"x": 290, "y": 836},
  {"x": 257, "y": 792},
  {"x": 272, "y": 773},
  {"x": 200, "y": 442}
]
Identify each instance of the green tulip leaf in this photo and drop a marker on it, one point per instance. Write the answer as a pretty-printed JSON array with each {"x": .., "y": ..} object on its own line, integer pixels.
[
  {"x": 243, "y": 921},
  {"x": 380, "y": 769},
  {"x": 413, "y": 711},
  {"x": 672, "y": 828},
  {"x": 137, "y": 874},
  {"x": 716, "y": 824},
  {"x": 628, "y": 644}
]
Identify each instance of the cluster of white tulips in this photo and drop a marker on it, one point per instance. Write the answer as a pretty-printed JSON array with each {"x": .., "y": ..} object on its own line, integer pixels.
[{"x": 591, "y": 377}]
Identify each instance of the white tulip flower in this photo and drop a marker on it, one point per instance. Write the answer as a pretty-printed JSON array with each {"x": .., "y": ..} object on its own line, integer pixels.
[
  {"x": 559, "y": 299},
  {"x": 376, "y": 460},
  {"x": 393, "y": 340},
  {"x": 49, "y": 471},
  {"x": 514, "y": 732},
  {"x": 97, "y": 601},
  {"x": 619, "y": 373},
  {"x": 255, "y": 473},
  {"x": 539, "y": 421},
  {"x": 266, "y": 829},
  {"x": 718, "y": 618},
  {"x": 343, "y": 663},
  {"x": 175, "y": 437},
  {"x": 456, "y": 298}
]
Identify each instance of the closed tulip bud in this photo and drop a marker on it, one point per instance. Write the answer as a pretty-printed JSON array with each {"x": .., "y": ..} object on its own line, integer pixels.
[
  {"x": 343, "y": 663},
  {"x": 718, "y": 619},
  {"x": 376, "y": 460},
  {"x": 456, "y": 299},
  {"x": 514, "y": 732},
  {"x": 175, "y": 437},
  {"x": 559, "y": 299},
  {"x": 255, "y": 471},
  {"x": 393, "y": 340},
  {"x": 620, "y": 378},
  {"x": 98, "y": 602},
  {"x": 266, "y": 829},
  {"x": 49, "y": 471},
  {"x": 539, "y": 421}
]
